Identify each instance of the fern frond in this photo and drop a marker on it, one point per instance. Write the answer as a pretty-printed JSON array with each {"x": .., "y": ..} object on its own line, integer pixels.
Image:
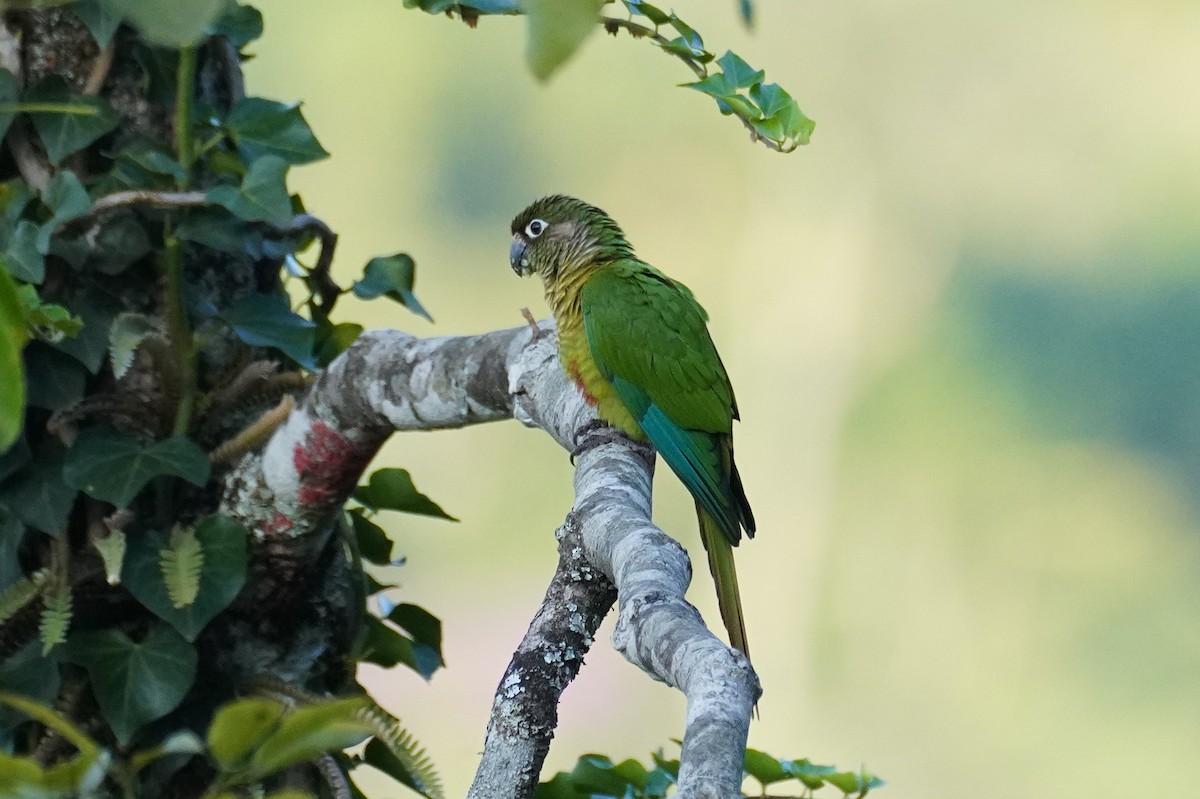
[
  {"x": 20, "y": 594},
  {"x": 180, "y": 564},
  {"x": 56, "y": 616},
  {"x": 404, "y": 746}
]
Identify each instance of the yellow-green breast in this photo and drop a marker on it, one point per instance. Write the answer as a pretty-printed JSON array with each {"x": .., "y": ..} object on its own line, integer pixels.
[{"x": 576, "y": 355}]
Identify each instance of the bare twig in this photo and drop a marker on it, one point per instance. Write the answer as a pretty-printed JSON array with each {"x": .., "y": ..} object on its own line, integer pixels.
[
  {"x": 100, "y": 67},
  {"x": 326, "y": 290},
  {"x": 612, "y": 24}
]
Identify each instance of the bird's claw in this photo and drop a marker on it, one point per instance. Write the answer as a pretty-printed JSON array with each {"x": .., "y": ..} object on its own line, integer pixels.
[{"x": 597, "y": 433}]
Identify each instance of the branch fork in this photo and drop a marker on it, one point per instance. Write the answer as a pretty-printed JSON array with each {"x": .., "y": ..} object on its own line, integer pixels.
[{"x": 389, "y": 381}]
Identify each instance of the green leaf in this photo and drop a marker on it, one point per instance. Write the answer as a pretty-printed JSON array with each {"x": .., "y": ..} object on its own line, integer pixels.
[
  {"x": 97, "y": 309},
  {"x": 265, "y": 320},
  {"x": 37, "y": 495},
  {"x": 222, "y": 574},
  {"x": 101, "y": 19},
  {"x": 135, "y": 683},
  {"x": 386, "y": 647},
  {"x": 120, "y": 242},
  {"x": 54, "y": 380},
  {"x": 264, "y": 127},
  {"x": 393, "y": 489},
  {"x": 170, "y": 22},
  {"x": 858, "y": 782},
  {"x": 12, "y": 376},
  {"x": 426, "y": 631},
  {"x": 67, "y": 199},
  {"x": 75, "y": 122},
  {"x": 113, "y": 467},
  {"x": 809, "y": 773},
  {"x": 217, "y": 229},
  {"x": 153, "y": 158},
  {"x": 763, "y": 767},
  {"x": 263, "y": 195},
  {"x": 746, "y": 9},
  {"x": 715, "y": 85},
  {"x": 391, "y": 276},
  {"x": 9, "y": 89},
  {"x": 239, "y": 24},
  {"x": 21, "y": 253},
  {"x": 373, "y": 543},
  {"x": 556, "y": 30},
  {"x": 741, "y": 74},
  {"x": 334, "y": 339},
  {"x": 594, "y": 774},
  {"x": 28, "y": 673},
  {"x": 310, "y": 731},
  {"x": 653, "y": 13},
  {"x": 239, "y": 728}
]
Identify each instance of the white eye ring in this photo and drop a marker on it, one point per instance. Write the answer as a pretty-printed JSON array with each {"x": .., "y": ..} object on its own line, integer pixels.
[{"x": 536, "y": 228}]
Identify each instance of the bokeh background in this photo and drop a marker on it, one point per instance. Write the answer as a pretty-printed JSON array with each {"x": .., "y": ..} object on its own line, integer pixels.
[{"x": 964, "y": 327}]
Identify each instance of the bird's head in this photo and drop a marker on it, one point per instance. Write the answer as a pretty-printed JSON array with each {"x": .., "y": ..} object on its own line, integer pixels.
[{"x": 558, "y": 234}]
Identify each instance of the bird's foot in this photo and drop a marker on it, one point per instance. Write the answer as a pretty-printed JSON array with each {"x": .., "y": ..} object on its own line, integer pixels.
[
  {"x": 597, "y": 433},
  {"x": 528, "y": 315}
]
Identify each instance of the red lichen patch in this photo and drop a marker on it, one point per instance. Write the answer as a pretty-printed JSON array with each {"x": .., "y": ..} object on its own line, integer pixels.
[{"x": 328, "y": 465}]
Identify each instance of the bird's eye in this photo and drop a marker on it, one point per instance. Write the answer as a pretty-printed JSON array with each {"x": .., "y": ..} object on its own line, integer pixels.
[{"x": 535, "y": 228}]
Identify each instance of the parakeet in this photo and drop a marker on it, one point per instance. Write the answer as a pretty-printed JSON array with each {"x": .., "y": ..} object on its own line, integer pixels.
[{"x": 636, "y": 344}]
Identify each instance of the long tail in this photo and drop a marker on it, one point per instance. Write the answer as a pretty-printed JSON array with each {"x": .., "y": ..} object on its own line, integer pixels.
[{"x": 720, "y": 563}]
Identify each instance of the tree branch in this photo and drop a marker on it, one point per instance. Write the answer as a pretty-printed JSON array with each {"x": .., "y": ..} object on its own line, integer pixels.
[{"x": 387, "y": 380}]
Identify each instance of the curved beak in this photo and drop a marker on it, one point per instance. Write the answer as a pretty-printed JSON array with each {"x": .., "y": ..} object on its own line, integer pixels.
[{"x": 516, "y": 256}]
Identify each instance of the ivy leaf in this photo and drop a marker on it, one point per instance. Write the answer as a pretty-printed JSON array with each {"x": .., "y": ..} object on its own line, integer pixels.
[
  {"x": 153, "y": 158},
  {"x": 391, "y": 276},
  {"x": 763, "y": 767},
  {"x": 169, "y": 22},
  {"x": 67, "y": 199},
  {"x": 21, "y": 255},
  {"x": 65, "y": 122},
  {"x": 101, "y": 19},
  {"x": 739, "y": 73},
  {"x": 135, "y": 683},
  {"x": 858, "y": 782},
  {"x": 264, "y": 127},
  {"x": 97, "y": 309},
  {"x": 265, "y": 320},
  {"x": 746, "y": 9},
  {"x": 222, "y": 574},
  {"x": 239, "y": 24},
  {"x": 333, "y": 340},
  {"x": 263, "y": 194},
  {"x": 393, "y": 489},
  {"x": 12, "y": 376},
  {"x": 113, "y": 467},
  {"x": 217, "y": 229},
  {"x": 653, "y": 13},
  {"x": 426, "y": 632},
  {"x": 30, "y": 674},
  {"x": 385, "y": 646},
  {"x": 556, "y": 30},
  {"x": 373, "y": 542},
  {"x": 809, "y": 773},
  {"x": 37, "y": 495},
  {"x": 54, "y": 380}
]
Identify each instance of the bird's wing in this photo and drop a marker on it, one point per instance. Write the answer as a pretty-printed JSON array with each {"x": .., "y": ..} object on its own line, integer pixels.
[{"x": 648, "y": 338}]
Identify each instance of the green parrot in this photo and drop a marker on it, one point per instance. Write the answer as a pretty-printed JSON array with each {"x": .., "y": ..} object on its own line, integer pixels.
[{"x": 636, "y": 344}]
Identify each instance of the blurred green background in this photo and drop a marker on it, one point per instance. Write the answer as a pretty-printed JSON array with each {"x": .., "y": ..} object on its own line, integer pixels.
[{"x": 964, "y": 326}]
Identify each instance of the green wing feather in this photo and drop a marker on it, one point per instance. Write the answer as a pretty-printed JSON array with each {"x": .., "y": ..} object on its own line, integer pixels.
[{"x": 649, "y": 339}]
